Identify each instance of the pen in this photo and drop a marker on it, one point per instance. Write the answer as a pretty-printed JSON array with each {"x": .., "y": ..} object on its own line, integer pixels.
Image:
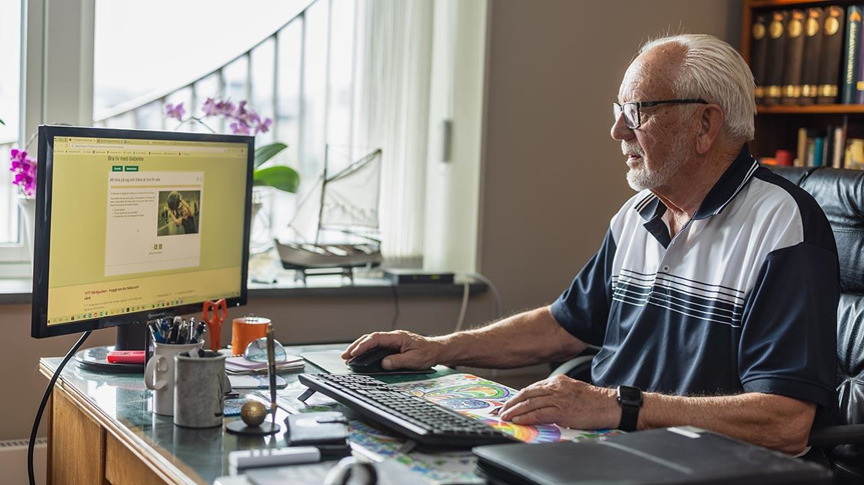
[
  {"x": 271, "y": 369},
  {"x": 172, "y": 333},
  {"x": 157, "y": 335}
]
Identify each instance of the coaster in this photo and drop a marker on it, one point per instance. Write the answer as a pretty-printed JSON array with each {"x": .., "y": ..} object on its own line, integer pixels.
[{"x": 239, "y": 427}]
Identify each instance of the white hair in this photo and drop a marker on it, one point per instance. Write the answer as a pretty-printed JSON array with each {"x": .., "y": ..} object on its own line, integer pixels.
[{"x": 714, "y": 71}]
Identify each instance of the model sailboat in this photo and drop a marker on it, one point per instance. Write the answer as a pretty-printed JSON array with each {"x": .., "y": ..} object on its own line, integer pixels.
[{"x": 341, "y": 232}]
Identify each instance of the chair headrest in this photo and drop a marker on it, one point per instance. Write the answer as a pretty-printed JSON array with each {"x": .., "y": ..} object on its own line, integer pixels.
[{"x": 840, "y": 193}]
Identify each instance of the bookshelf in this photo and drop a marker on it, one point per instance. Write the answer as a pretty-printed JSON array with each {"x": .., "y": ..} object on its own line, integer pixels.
[{"x": 777, "y": 125}]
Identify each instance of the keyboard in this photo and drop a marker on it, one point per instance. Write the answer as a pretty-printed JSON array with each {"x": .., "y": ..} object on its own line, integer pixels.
[{"x": 416, "y": 418}]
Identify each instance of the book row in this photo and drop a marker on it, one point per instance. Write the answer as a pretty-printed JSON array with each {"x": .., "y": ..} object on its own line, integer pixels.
[
  {"x": 830, "y": 147},
  {"x": 807, "y": 56}
]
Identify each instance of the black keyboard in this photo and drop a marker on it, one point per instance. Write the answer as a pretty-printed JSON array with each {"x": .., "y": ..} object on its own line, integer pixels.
[{"x": 414, "y": 417}]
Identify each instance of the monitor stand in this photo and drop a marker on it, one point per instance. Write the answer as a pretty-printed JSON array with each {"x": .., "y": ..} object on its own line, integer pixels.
[{"x": 129, "y": 337}]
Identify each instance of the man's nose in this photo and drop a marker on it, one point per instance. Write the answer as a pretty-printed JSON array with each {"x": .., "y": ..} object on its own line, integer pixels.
[{"x": 619, "y": 129}]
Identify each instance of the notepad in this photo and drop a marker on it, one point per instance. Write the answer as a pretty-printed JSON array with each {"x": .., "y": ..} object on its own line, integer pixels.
[{"x": 255, "y": 381}]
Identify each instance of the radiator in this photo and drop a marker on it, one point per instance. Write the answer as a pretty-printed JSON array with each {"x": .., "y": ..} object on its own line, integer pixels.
[{"x": 13, "y": 461}]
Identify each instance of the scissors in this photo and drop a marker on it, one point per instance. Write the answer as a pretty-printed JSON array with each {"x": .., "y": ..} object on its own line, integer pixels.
[{"x": 214, "y": 314}]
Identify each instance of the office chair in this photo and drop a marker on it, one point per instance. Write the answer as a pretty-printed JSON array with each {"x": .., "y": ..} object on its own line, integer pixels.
[{"x": 840, "y": 193}]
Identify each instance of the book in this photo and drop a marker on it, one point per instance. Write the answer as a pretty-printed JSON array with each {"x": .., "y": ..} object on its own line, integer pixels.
[
  {"x": 818, "y": 144},
  {"x": 851, "y": 53},
  {"x": 240, "y": 365},
  {"x": 839, "y": 147},
  {"x": 794, "y": 57},
  {"x": 854, "y": 154},
  {"x": 810, "y": 62},
  {"x": 774, "y": 67},
  {"x": 801, "y": 159},
  {"x": 832, "y": 48},
  {"x": 758, "y": 53}
]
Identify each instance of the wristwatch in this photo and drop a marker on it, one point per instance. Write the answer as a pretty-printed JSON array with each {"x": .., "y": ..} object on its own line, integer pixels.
[{"x": 630, "y": 400}]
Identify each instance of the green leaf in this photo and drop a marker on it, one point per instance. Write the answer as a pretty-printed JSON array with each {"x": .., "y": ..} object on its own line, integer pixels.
[
  {"x": 280, "y": 177},
  {"x": 266, "y": 152}
]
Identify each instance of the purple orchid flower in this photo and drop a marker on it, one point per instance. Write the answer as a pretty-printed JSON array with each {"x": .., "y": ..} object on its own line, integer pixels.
[
  {"x": 175, "y": 111},
  {"x": 24, "y": 169},
  {"x": 264, "y": 126}
]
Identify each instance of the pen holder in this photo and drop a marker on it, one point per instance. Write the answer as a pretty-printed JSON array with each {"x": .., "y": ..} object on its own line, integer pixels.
[
  {"x": 159, "y": 375},
  {"x": 246, "y": 329},
  {"x": 200, "y": 385}
]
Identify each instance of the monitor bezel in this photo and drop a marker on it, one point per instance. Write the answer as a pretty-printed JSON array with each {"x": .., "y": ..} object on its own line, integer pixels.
[{"x": 41, "y": 256}]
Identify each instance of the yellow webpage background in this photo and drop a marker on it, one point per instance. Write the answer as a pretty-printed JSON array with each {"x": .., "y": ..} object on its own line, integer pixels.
[{"x": 81, "y": 167}]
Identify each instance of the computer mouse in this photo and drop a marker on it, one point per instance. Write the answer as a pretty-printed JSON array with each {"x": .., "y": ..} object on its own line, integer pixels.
[
  {"x": 369, "y": 362},
  {"x": 350, "y": 471}
]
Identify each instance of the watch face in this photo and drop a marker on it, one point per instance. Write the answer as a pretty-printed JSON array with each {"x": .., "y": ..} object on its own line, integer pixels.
[{"x": 629, "y": 395}]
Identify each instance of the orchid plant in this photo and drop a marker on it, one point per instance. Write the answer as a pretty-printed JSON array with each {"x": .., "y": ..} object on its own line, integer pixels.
[
  {"x": 243, "y": 120},
  {"x": 24, "y": 169}
]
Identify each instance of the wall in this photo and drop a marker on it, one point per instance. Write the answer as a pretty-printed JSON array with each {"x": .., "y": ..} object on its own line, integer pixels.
[
  {"x": 552, "y": 176},
  {"x": 551, "y": 179}
]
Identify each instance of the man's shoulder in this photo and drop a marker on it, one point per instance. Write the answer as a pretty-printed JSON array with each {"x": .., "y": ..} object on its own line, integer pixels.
[
  {"x": 774, "y": 190},
  {"x": 772, "y": 194}
]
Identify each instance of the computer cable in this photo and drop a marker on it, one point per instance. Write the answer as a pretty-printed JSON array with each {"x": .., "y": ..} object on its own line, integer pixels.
[{"x": 45, "y": 397}]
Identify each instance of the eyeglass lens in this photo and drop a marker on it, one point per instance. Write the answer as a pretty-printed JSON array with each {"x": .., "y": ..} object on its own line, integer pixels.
[{"x": 631, "y": 114}]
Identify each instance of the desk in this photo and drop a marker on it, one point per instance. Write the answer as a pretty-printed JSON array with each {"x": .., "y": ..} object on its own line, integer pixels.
[{"x": 101, "y": 428}]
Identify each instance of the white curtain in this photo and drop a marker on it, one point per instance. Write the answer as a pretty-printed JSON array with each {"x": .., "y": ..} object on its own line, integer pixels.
[{"x": 391, "y": 112}]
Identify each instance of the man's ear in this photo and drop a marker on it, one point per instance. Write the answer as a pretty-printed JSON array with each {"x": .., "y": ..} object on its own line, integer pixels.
[{"x": 710, "y": 125}]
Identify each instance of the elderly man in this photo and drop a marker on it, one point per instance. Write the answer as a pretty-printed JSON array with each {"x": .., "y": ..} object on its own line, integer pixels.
[{"x": 714, "y": 294}]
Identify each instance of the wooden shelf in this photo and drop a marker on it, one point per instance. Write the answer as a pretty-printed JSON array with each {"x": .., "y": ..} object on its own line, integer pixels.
[
  {"x": 791, "y": 3},
  {"x": 811, "y": 110}
]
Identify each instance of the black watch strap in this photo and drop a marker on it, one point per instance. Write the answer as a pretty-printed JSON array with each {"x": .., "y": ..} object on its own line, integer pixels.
[{"x": 630, "y": 400}]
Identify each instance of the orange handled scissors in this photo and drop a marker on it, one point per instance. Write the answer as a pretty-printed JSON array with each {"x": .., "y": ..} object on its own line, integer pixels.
[{"x": 214, "y": 314}]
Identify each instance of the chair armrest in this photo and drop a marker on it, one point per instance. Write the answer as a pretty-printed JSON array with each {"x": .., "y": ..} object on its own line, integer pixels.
[
  {"x": 837, "y": 435},
  {"x": 577, "y": 368}
]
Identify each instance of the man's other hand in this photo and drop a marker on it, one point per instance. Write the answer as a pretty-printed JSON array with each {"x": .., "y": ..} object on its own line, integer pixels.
[
  {"x": 415, "y": 351},
  {"x": 563, "y": 401}
]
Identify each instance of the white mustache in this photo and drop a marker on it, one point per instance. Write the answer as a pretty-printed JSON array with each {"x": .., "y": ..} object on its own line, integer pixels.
[{"x": 628, "y": 149}]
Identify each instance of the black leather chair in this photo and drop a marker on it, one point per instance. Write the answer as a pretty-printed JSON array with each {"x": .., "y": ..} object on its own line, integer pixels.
[{"x": 840, "y": 193}]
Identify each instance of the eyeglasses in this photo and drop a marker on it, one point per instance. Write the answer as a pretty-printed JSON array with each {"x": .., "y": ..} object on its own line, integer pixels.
[{"x": 632, "y": 116}]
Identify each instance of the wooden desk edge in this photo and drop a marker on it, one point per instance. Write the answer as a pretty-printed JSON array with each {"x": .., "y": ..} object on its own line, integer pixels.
[{"x": 167, "y": 471}]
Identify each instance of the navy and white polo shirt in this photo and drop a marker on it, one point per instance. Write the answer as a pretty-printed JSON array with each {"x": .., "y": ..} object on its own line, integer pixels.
[{"x": 742, "y": 299}]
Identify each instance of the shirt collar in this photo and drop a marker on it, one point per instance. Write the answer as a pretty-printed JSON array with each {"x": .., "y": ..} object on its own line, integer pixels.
[{"x": 727, "y": 187}]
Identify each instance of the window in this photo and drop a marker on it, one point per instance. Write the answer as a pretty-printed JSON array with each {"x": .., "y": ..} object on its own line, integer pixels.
[
  {"x": 11, "y": 230},
  {"x": 338, "y": 73},
  {"x": 329, "y": 72}
]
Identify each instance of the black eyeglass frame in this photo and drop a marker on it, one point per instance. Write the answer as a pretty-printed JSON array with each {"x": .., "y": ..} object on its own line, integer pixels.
[{"x": 618, "y": 109}]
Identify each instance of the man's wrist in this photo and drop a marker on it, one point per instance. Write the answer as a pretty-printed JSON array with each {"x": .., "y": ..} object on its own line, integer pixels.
[{"x": 630, "y": 400}]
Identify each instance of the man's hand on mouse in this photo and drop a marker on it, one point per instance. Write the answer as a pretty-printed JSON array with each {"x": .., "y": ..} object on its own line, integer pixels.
[
  {"x": 416, "y": 351},
  {"x": 563, "y": 401}
]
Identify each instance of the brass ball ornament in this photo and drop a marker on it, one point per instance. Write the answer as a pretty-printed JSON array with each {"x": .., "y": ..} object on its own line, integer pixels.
[{"x": 253, "y": 413}]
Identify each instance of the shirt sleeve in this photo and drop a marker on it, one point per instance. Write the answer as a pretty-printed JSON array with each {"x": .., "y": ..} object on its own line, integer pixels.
[
  {"x": 583, "y": 308},
  {"x": 789, "y": 326}
]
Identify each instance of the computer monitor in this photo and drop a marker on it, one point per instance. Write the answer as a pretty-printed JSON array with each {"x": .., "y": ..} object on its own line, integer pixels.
[{"x": 135, "y": 225}]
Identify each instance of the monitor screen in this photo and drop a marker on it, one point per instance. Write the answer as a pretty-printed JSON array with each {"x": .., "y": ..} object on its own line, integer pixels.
[{"x": 136, "y": 225}]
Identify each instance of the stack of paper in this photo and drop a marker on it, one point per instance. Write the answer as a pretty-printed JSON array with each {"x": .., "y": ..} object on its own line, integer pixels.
[{"x": 240, "y": 365}]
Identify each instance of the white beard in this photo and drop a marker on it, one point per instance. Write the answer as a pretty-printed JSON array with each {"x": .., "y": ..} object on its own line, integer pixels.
[{"x": 642, "y": 178}]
